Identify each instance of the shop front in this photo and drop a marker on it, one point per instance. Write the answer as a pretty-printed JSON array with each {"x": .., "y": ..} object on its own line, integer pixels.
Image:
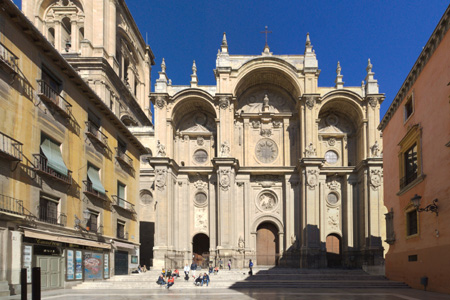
[{"x": 126, "y": 257}]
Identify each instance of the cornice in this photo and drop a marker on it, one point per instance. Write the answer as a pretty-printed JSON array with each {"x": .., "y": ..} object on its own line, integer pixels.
[{"x": 432, "y": 44}]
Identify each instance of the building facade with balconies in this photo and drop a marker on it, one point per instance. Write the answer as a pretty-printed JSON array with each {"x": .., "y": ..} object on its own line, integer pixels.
[{"x": 68, "y": 167}]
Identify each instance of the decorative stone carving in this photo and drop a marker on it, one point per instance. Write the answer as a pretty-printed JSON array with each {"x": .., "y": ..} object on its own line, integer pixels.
[
  {"x": 375, "y": 149},
  {"x": 200, "y": 199},
  {"x": 331, "y": 141},
  {"x": 332, "y": 120},
  {"x": 200, "y": 140},
  {"x": 160, "y": 178},
  {"x": 333, "y": 218},
  {"x": 241, "y": 243},
  {"x": 224, "y": 102},
  {"x": 312, "y": 178},
  {"x": 266, "y": 132},
  {"x": 310, "y": 101},
  {"x": 160, "y": 102},
  {"x": 375, "y": 178},
  {"x": 240, "y": 184},
  {"x": 160, "y": 150},
  {"x": 266, "y": 201},
  {"x": 201, "y": 219},
  {"x": 310, "y": 151},
  {"x": 276, "y": 124},
  {"x": 200, "y": 184},
  {"x": 373, "y": 102},
  {"x": 256, "y": 124},
  {"x": 224, "y": 149},
  {"x": 265, "y": 107},
  {"x": 334, "y": 183},
  {"x": 200, "y": 156},
  {"x": 293, "y": 239},
  {"x": 224, "y": 180},
  {"x": 266, "y": 150}
]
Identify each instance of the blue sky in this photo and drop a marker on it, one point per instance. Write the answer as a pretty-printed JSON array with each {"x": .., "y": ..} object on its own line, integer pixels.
[{"x": 390, "y": 33}]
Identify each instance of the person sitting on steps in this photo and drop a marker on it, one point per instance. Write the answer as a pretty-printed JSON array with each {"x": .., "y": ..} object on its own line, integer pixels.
[
  {"x": 199, "y": 280},
  {"x": 170, "y": 282},
  {"x": 205, "y": 279},
  {"x": 160, "y": 281}
]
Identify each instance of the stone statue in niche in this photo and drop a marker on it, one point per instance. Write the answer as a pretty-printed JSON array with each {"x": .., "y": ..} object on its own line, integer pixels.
[
  {"x": 310, "y": 151},
  {"x": 241, "y": 243},
  {"x": 224, "y": 149},
  {"x": 267, "y": 201},
  {"x": 375, "y": 149},
  {"x": 265, "y": 107},
  {"x": 160, "y": 178},
  {"x": 161, "y": 150}
]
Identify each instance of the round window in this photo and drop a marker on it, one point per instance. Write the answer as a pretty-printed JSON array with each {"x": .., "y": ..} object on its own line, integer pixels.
[
  {"x": 200, "y": 156},
  {"x": 331, "y": 157},
  {"x": 200, "y": 198},
  {"x": 332, "y": 198}
]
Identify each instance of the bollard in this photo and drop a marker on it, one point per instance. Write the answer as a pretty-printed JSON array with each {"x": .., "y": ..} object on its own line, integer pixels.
[
  {"x": 36, "y": 283},
  {"x": 23, "y": 284}
]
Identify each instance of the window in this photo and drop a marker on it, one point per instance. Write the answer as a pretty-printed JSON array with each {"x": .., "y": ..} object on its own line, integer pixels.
[
  {"x": 51, "y": 156},
  {"x": 412, "y": 223},
  {"x": 50, "y": 80},
  {"x": 48, "y": 209},
  {"x": 331, "y": 157},
  {"x": 94, "y": 183},
  {"x": 410, "y": 159},
  {"x": 92, "y": 222},
  {"x": 121, "y": 229},
  {"x": 409, "y": 107},
  {"x": 121, "y": 146},
  {"x": 121, "y": 195}
]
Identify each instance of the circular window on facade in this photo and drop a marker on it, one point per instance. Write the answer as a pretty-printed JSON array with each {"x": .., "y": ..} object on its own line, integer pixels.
[
  {"x": 331, "y": 157},
  {"x": 200, "y": 199},
  {"x": 332, "y": 198},
  {"x": 200, "y": 156}
]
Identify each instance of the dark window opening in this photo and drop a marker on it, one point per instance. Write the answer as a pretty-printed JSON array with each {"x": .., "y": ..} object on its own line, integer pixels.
[{"x": 411, "y": 219}]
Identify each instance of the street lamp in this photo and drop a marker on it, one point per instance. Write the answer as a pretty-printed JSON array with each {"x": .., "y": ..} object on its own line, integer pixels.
[{"x": 430, "y": 207}]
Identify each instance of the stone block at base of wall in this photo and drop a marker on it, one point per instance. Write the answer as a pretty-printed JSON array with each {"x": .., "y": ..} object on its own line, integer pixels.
[{"x": 4, "y": 289}]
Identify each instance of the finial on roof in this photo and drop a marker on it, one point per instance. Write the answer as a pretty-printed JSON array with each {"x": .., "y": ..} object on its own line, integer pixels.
[
  {"x": 339, "y": 76},
  {"x": 369, "y": 66},
  {"x": 308, "y": 45},
  {"x": 224, "y": 46},
  {"x": 194, "y": 69},
  {"x": 194, "y": 79},
  {"x": 338, "y": 69},
  {"x": 163, "y": 66},
  {"x": 308, "y": 41}
]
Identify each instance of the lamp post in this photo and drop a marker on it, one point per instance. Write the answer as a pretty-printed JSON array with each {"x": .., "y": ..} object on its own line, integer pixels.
[{"x": 430, "y": 207}]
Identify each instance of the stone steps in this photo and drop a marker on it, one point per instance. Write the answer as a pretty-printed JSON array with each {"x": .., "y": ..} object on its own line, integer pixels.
[{"x": 262, "y": 278}]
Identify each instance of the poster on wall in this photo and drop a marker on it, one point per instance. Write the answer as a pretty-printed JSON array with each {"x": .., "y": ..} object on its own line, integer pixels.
[
  {"x": 27, "y": 255},
  {"x": 70, "y": 265},
  {"x": 106, "y": 264},
  {"x": 78, "y": 267},
  {"x": 93, "y": 266}
]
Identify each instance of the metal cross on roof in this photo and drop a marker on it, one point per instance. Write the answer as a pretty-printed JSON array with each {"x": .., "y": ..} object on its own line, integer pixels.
[{"x": 266, "y": 32}]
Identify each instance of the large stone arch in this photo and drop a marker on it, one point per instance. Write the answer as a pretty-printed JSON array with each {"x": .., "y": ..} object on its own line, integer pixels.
[
  {"x": 349, "y": 98},
  {"x": 42, "y": 6},
  {"x": 188, "y": 101},
  {"x": 268, "y": 218}
]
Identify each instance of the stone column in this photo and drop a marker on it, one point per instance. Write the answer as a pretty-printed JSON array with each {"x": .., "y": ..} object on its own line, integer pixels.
[
  {"x": 309, "y": 127},
  {"x": 74, "y": 36},
  {"x": 58, "y": 35},
  {"x": 212, "y": 179},
  {"x": 312, "y": 255}
]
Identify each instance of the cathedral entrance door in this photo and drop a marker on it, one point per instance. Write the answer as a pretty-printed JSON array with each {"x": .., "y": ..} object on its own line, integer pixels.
[
  {"x": 333, "y": 251},
  {"x": 201, "y": 249},
  {"x": 267, "y": 244}
]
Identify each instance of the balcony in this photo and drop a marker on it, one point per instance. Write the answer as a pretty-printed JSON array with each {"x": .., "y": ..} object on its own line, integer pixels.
[
  {"x": 53, "y": 98},
  {"x": 46, "y": 217},
  {"x": 123, "y": 204},
  {"x": 41, "y": 167},
  {"x": 10, "y": 148},
  {"x": 11, "y": 205},
  {"x": 93, "y": 132},
  {"x": 89, "y": 191},
  {"x": 407, "y": 179},
  {"x": 123, "y": 158},
  {"x": 8, "y": 61}
]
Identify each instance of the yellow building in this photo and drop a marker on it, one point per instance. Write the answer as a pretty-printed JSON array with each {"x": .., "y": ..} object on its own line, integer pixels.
[{"x": 69, "y": 168}]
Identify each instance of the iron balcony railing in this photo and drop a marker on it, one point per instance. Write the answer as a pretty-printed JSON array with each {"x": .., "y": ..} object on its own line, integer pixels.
[
  {"x": 10, "y": 148},
  {"x": 89, "y": 190},
  {"x": 8, "y": 58},
  {"x": 11, "y": 205},
  {"x": 46, "y": 217},
  {"x": 95, "y": 132},
  {"x": 40, "y": 163},
  {"x": 49, "y": 95},
  {"x": 122, "y": 203},
  {"x": 123, "y": 157},
  {"x": 404, "y": 181}
]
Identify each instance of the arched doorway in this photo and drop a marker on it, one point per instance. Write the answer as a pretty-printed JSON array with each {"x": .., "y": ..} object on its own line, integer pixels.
[
  {"x": 267, "y": 246},
  {"x": 200, "y": 249},
  {"x": 334, "y": 256}
]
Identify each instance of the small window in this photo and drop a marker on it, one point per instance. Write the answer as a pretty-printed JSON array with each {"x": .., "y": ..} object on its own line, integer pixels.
[
  {"x": 120, "y": 229},
  {"x": 48, "y": 209},
  {"x": 410, "y": 158},
  {"x": 410, "y": 162},
  {"x": 409, "y": 107},
  {"x": 411, "y": 222},
  {"x": 92, "y": 222},
  {"x": 331, "y": 157},
  {"x": 121, "y": 146},
  {"x": 121, "y": 190}
]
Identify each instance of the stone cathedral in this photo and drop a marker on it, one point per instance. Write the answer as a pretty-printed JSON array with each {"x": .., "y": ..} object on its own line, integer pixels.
[{"x": 266, "y": 165}]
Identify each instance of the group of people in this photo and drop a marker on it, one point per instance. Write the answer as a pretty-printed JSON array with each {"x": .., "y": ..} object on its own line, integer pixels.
[{"x": 169, "y": 276}]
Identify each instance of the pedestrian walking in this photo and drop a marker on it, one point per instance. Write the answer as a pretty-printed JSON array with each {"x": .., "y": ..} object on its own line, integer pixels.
[
  {"x": 229, "y": 264},
  {"x": 250, "y": 266}
]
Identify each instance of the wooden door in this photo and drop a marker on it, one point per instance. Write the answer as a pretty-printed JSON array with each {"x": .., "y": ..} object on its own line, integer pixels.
[
  {"x": 333, "y": 245},
  {"x": 266, "y": 245},
  {"x": 50, "y": 271}
]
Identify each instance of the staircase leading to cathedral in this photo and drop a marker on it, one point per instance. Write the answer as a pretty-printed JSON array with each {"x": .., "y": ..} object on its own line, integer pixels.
[{"x": 262, "y": 278}]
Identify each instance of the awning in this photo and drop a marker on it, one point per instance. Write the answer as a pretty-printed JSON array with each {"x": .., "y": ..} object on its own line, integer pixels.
[
  {"x": 65, "y": 239},
  {"x": 54, "y": 158},
  {"x": 124, "y": 245},
  {"x": 95, "y": 180}
]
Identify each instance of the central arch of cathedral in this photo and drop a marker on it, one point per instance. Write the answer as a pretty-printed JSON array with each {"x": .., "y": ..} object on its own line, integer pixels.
[{"x": 268, "y": 165}]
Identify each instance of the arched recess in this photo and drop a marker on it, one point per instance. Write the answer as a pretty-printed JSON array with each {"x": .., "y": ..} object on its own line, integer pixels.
[
  {"x": 334, "y": 250},
  {"x": 146, "y": 197},
  {"x": 194, "y": 129},
  {"x": 340, "y": 129},
  {"x": 200, "y": 249}
]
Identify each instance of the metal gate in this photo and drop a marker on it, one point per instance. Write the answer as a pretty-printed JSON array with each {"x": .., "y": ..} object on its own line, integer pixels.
[{"x": 121, "y": 263}]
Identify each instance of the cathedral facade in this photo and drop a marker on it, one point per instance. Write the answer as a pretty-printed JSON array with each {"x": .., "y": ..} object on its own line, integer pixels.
[{"x": 266, "y": 165}]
